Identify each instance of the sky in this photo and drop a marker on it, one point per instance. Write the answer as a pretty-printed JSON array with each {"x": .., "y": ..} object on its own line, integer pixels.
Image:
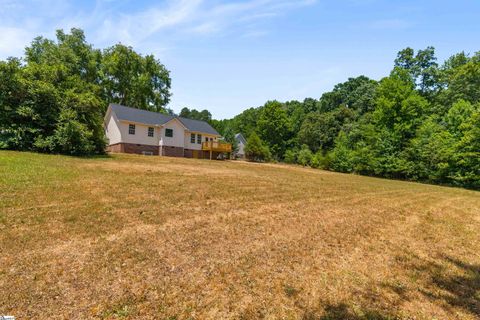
[{"x": 227, "y": 56}]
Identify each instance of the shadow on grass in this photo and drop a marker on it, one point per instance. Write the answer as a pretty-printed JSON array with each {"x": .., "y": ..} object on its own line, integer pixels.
[
  {"x": 460, "y": 289},
  {"x": 342, "y": 311}
]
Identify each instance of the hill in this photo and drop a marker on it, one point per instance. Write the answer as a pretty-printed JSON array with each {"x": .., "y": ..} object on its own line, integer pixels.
[{"x": 164, "y": 238}]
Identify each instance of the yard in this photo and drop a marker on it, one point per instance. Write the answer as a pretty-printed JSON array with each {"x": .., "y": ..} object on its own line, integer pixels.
[{"x": 137, "y": 237}]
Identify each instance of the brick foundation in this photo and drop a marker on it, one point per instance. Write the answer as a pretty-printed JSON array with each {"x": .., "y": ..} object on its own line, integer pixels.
[
  {"x": 155, "y": 150},
  {"x": 172, "y": 151},
  {"x": 133, "y": 148}
]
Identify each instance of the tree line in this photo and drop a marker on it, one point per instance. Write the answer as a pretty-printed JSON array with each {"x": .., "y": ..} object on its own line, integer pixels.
[
  {"x": 420, "y": 123},
  {"x": 54, "y": 98}
]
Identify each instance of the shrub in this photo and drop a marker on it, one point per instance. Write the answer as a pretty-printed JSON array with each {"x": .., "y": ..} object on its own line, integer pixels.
[
  {"x": 290, "y": 156},
  {"x": 305, "y": 156},
  {"x": 255, "y": 150}
]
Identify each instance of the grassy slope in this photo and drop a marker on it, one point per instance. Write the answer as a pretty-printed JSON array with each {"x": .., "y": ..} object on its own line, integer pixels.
[{"x": 148, "y": 237}]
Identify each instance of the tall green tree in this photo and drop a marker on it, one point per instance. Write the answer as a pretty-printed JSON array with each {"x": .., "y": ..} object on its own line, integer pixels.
[
  {"x": 273, "y": 127},
  {"x": 131, "y": 79},
  {"x": 256, "y": 150}
]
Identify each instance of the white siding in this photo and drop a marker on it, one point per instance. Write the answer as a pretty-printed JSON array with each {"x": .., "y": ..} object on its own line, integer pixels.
[
  {"x": 112, "y": 132},
  {"x": 241, "y": 149},
  {"x": 116, "y": 131},
  {"x": 196, "y": 146},
  {"x": 178, "y": 138},
  {"x": 141, "y": 134}
]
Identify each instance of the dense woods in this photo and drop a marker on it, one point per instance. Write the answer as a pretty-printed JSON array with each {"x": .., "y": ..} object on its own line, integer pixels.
[
  {"x": 55, "y": 97},
  {"x": 421, "y": 122}
]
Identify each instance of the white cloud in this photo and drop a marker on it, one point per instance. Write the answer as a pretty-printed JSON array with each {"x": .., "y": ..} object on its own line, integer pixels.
[
  {"x": 107, "y": 22},
  {"x": 197, "y": 17}
]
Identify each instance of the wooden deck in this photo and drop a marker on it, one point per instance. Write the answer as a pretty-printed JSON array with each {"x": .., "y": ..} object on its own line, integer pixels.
[{"x": 216, "y": 146}]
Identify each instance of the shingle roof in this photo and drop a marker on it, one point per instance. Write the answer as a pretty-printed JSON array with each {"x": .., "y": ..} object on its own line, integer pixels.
[
  {"x": 198, "y": 126},
  {"x": 155, "y": 118},
  {"x": 140, "y": 116}
]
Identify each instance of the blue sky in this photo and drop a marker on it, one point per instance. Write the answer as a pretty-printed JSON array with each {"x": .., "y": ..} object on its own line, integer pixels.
[{"x": 227, "y": 56}]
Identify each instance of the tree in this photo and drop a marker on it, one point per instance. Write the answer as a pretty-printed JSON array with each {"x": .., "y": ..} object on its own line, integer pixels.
[
  {"x": 229, "y": 136},
  {"x": 273, "y": 126},
  {"x": 55, "y": 101},
  {"x": 357, "y": 94},
  {"x": 341, "y": 156},
  {"x": 203, "y": 115},
  {"x": 398, "y": 106},
  {"x": 255, "y": 150},
  {"x": 290, "y": 156},
  {"x": 305, "y": 156},
  {"x": 57, "y": 76},
  {"x": 246, "y": 122},
  {"x": 133, "y": 80},
  {"x": 422, "y": 68}
]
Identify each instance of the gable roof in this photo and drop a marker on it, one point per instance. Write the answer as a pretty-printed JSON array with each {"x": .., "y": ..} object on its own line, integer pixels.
[
  {"x": 198, "y": 126},
  {"x": 240, "y": 138},
  {"x": 154, "y": 118}
]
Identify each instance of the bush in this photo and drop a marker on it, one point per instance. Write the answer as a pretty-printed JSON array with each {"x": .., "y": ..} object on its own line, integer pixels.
[
  {"x": 320, "y": 161},
  {"x": 290, "y": 156},
  {"x": 71, "y": 136},
  {"x": 255, "y": 150},
  {"x": 305, "y": 156}
]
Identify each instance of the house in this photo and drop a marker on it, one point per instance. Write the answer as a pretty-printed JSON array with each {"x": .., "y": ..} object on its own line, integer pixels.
[
  {"x": 132, "y": 130},
  {"x": 241, "y": 142}
]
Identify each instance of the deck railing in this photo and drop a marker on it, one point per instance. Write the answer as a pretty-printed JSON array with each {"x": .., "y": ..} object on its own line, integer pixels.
[{"x": 216, "y": 146}]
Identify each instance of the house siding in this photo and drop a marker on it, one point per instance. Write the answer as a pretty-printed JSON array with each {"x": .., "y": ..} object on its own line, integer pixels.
[
  {"x": 178, "y": 134},
  {"x": 112, "y": 131},
  {"x": 120, "y": 141},
  {"x": 196, "y": 146},
  {"x": 140, "y": 136}
]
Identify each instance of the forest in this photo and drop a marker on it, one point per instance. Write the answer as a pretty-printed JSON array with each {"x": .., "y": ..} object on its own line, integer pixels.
[{"x": 421, "y": 122}]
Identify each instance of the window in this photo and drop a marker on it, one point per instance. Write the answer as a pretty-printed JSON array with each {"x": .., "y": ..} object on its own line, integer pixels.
[
  {"x": 169, "y": 133},
  {"x": 192, "y": 138},
  {"x": 199, "y": 138},
  {"x": 206, "y": 139},
  {"x": 131, "y": 129},
  {"x": 150, "y": 131}
]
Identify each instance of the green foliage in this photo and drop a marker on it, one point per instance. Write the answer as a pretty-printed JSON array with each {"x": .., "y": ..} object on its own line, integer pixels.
[
  {"x": 255, "y": 150},
  {"x": 229, "y": 136},
  {"x": 203, "y": 115},
  {"x": 133, "y": 80},
  {"x": 419, "y": 123},
  {"x": 273, "y": 127},
  {"x": 341, "y": 156},
  {"x": 321, "y": 161},
  {"x": 304, "y": 156},
  {"x": 55, "y": 101},
  {"x": 290, "y": 156}
]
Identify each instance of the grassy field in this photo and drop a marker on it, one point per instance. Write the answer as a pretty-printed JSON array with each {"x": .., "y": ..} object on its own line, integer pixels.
[{"x": 135, "y": 237}]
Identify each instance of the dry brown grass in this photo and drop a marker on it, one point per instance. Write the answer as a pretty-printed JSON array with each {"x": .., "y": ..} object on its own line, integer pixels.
[{"x": 162, "y": 238}]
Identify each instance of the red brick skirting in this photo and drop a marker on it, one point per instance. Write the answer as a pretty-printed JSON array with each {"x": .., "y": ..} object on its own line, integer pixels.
[
  {"x": 172, "y": 151},
  {"x": 133, "y": 148},
  {"x": 155, "y": 150}
]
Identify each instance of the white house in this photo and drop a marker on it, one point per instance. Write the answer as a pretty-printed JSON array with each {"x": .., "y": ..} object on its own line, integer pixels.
[
  {"x": 241, "y": 142},
  {"x": 132, "y": 130}
]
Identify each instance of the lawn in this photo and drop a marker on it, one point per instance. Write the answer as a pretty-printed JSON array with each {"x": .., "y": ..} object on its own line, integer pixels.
[{"x": 137, "y": 237}]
